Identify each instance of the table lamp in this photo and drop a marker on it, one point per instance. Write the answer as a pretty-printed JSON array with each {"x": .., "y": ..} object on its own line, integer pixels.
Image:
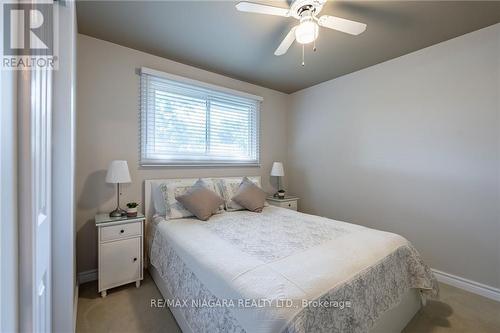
[
  {"x": 278, "y": 171},
  {"x": 118, "y": 173}
]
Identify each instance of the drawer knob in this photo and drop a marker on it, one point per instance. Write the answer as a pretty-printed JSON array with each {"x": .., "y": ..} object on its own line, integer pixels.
[
  {"x": 122, "y": 231},
  {"x": 135, "y": 259},
  {"x": 289, "y": 205}
]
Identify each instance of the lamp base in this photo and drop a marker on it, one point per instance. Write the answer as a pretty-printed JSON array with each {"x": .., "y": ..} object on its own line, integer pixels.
[{"x": 118, "y": 212}]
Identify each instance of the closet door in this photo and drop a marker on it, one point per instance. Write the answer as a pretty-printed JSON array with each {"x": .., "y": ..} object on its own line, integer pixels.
[
  {"x": 35, "y": 219},
  {"x": 42, "y": 110}
]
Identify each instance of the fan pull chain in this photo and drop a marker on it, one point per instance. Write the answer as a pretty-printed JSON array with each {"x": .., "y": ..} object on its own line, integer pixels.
[
  {"x": 303, "y": 62},
  {"x": 314, "y": 46}
]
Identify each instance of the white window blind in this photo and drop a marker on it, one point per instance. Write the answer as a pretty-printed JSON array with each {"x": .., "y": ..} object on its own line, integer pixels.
[{"x": 186, "y": 122}]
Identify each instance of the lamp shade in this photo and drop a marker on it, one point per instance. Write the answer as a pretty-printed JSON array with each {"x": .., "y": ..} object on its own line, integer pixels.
[
  {"x": 118, "y": 172},
  {"x": 277, "y": 169}
]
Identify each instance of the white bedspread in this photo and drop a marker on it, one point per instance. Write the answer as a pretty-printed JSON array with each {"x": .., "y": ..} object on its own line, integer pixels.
[{"x": 278, "y": 254}]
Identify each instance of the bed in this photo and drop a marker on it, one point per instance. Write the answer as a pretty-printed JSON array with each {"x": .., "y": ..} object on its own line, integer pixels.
[{"x": 283, "y": 271}]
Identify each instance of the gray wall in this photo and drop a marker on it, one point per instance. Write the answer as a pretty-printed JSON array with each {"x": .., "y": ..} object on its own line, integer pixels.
[
  {"x": 410, "y": 146},
  {"x": 108, "y": 125}
]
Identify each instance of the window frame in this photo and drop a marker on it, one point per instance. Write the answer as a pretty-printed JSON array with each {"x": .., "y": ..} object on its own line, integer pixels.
[{"x": 143, "y": 114}]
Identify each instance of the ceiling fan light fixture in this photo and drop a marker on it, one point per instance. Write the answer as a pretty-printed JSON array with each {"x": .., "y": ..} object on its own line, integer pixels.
[
  {"x": 306, "y": 11},
  {"x": 307, "y": 31}
]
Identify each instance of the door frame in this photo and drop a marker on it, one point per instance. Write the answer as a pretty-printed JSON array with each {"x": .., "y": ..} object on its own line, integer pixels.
[{"x": 8, "y": 200}]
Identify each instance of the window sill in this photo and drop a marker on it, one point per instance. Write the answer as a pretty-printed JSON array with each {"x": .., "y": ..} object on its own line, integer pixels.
[{"x": 198, "y": 165}]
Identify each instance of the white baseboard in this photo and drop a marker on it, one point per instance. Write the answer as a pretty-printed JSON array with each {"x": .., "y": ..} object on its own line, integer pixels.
[
  {"x": 87, "y": 276},
  {"x": 468, "y": 285}
]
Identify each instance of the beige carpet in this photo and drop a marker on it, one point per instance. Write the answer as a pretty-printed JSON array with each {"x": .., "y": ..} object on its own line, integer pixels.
[{"x": 127, "y": 309}]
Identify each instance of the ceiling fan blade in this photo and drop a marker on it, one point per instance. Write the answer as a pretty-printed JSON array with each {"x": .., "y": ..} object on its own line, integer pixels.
[
  {"x": 262, "y": 9},
  {"x": 340, "y": 24},
  {"x": 286, "y": 43}
]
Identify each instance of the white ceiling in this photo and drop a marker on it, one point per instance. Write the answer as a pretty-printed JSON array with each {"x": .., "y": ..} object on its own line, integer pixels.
[{"x": 214, "y": 36}]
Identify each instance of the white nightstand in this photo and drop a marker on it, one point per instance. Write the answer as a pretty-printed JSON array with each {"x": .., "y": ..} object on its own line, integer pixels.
[
  {"x": 120, "y": 247},
  {"x": 287, "y": 202}
]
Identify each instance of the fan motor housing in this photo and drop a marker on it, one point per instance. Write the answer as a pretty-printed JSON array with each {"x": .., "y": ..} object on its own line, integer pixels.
[{"x": 299, "y": 7}]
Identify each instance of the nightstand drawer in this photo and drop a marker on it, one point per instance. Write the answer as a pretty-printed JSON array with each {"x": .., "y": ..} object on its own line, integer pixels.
[
  {"x": 121, "y": 262},
  {"x": 290, "y": 205},
  {"x": 121, "y": 231}
]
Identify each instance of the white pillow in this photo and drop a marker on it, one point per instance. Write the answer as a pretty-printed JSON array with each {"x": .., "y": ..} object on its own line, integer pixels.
[
  {"x": 229, "y": 187},
  {"x": 178, "y": 187},
  {"x": 158, "y": 200}
]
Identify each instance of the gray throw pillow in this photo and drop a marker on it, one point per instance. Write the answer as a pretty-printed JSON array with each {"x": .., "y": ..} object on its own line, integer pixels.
[
  {"x": 201, "y": 202},
  {"x": 250, "y": 196}
]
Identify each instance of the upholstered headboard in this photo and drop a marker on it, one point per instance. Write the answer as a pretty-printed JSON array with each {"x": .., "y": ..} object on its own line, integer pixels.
[{"x": 150, "y": 184}]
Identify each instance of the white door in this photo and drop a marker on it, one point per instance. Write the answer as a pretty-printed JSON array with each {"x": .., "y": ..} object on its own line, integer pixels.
[
  {"x": 34, "y": 124},
  {"x": 42, "y": 109},
  {"x": 34, "y": 130}
]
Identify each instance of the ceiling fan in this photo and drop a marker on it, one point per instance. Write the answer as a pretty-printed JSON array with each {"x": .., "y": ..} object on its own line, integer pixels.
[{"x": 306, "y": 11}]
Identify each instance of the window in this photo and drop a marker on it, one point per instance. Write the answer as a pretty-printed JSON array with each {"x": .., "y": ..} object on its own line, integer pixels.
[{"x": 186, "y": 122}]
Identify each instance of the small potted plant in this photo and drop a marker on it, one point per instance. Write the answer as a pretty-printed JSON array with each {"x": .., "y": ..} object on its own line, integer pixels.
[{"x": 132, "y": 209}]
